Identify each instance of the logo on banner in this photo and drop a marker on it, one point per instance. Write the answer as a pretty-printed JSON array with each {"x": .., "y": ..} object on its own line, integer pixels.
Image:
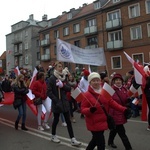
[{"x": 64, "y": 51}]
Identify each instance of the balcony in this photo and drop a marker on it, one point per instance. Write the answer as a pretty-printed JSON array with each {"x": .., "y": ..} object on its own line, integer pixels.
[
  {"x": 90, "y": 30},
  {"x": 91, "y": 46},
  {"x": 17, "y": 40},
  {"x": 45, "y": 42},
  {"x": 113, "y": 24},
  {"x": 45, "y": 57},
  {"x": 115, "y": 45}
]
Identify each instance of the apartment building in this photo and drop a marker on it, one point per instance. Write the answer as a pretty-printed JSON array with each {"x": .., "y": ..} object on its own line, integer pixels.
[
  {"x": 115, "y": 25},
  {"x": 22, "y": 44}
]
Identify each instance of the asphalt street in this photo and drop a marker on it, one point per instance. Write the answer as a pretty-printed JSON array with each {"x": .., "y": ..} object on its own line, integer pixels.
[{"x": 11, "y": 139}]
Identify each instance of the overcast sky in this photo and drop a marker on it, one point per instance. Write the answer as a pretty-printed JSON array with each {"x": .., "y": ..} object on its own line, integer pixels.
[{"x": 13, "y": 11}]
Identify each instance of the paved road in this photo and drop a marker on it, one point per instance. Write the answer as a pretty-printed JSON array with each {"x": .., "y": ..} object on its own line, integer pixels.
[{"x": 10, "y": 139}]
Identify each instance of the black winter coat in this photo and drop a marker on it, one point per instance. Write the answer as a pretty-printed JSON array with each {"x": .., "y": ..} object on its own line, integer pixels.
[{"x": 58, "y": 105}]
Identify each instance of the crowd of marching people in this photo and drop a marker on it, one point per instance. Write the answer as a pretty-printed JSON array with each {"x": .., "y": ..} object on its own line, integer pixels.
[{"x": 56, "y": 85}]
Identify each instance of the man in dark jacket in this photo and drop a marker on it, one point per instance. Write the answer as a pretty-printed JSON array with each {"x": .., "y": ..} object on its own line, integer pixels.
[
  {"x": 57, "y": 92},
  {"x": 6, "y": 84}
]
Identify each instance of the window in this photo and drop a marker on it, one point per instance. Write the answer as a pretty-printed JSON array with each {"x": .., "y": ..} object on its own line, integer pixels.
[
  {"x": 26, "y": 59},
  {"x": 76, "y": 28},
  {"x": 20, "y": 48},
  {"x": 147, "y": 3},
  {"x": 37, "y": 43},
  {"x": 38, "y": 56},
  {"x": 97, "y": 5},
  {"x": 26, "y": 33},
  {"x": 92, "y": 41},
  {"x": 46, "y": 36},
  {"x": 69, "y": 16},
  {"x": 134, "y": 10},
  {"x": 136, "y": 33},
  {"x": 77, "y": 43},
  {"x": 46, "y": 51},
  {"x": 113, "y": 15},
  {"x": 148, "y": 29},
  {"x": 55, "y": 50},
  {"x": 26, "y": 45},
  {"x": 115, "y": 36},
  {"x": 115, "y": 1},
  {"x": 139, "y": 57},
  {"x": 56, "y": 34},
  {"x": 116, "y": 62},
  {"x": 91, "y": 22},
  {"x": 66, "y": 31}
]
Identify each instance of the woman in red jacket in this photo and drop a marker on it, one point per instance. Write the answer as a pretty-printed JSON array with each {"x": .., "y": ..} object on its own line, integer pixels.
[
  {"x": 121, "y": 97},
  {"x": 39, "y": 89},
  {"x": 96, "y": 120}
]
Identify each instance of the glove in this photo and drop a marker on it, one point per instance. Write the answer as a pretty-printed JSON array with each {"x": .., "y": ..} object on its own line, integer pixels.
[
  {"x": 93, "y": 109},
  {"x": 128, "y": 113},
  {"x": 59, "y": 84}
]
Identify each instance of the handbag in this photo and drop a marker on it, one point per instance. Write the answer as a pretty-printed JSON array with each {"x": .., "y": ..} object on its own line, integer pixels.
[
  {"x": 110, "y": 119},
  {"x": 37, "y": 101},
  {"x": 17, "y": 103}
]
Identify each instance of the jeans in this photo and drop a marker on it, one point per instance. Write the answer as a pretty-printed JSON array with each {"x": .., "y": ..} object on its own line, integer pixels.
[{"x": 22, "y": 113}]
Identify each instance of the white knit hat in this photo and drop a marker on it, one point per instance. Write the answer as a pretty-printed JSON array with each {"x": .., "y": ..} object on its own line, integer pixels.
[{"x": 92, "y": 76}]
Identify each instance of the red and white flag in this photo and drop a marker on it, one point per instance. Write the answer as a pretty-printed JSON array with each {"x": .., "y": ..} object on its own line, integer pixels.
[
  {"x": 17, "y": 71},
  {"x": 132, "y": 90},
  {"x": 138, "y": 71},
  {"x": 33, "y": 78},
  {"x": 77, "y": 95},
  {"x": 107, "y": 91}
]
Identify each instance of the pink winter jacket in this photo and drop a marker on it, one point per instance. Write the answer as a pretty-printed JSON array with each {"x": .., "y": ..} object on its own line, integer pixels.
[{"x": 97, "y": 121}]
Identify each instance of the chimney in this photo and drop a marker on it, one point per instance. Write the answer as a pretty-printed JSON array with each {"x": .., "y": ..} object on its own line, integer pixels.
[
  {"x": 44, "y": 18},
  {"x": 72, "y": 9},
  {"x": 64, "y": 12},
  {"x": 31, "y": 17},
  {"x": 84, "y": 5}
]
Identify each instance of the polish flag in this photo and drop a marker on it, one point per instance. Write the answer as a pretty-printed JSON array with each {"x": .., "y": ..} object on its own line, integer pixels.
[
  {"x": 33, "y": 78},
  {"x": 132, "y": 90},
  {"x": 107, "y": 91},
  {"x": 17, "y": 71},
  {"x": 138, "y": 71},
  {"x": 77, "y": 95}
]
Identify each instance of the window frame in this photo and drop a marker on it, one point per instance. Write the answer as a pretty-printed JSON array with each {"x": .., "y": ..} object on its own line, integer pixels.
[
  {"x": 117, "y": 31},
  {"x": 129, "y": 10},
  {"x": 76, "y": 28},
  {"x": 112, "y": 63},
  {"x": 65, "y": 31},
  {"x": 131, "y": 33},
  {"x": 138, "y": 54},
  {"x": 146, "y": 6},
  {"x": 148, "y": 29}
]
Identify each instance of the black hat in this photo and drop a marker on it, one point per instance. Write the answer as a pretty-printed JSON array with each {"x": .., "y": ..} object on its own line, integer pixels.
[
  {"x": 131, "y": 72},
  {"x": 103, "y": 75}
]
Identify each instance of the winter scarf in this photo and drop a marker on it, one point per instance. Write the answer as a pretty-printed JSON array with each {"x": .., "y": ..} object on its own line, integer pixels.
[{"x": 59, "y": 75}]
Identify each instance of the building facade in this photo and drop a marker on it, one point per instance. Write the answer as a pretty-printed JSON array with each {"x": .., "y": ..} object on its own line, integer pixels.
[
  {"x": 115, "y": 25},
  {"x": 22, "y": 44}
]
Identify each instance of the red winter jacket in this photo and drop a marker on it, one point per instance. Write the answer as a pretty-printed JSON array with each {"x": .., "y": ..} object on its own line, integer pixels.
[
  {"x": 97, "y": 121},
  {"x": 121, "y": 97},
  {"x": 39, "y": 89}
]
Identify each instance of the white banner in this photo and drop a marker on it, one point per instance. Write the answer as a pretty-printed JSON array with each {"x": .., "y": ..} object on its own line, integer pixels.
[{"x": 69, "y": 53}]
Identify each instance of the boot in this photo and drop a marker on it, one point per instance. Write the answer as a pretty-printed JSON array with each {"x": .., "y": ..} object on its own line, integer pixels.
[
  {"x": 16, "y": 125},
  {"x": 23, "y": 127}
]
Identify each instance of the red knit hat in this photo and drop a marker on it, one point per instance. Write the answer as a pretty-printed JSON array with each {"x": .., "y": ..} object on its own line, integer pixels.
[
  {"x": 86, "y": 72},
  {"x": 117, "y": 75}
]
